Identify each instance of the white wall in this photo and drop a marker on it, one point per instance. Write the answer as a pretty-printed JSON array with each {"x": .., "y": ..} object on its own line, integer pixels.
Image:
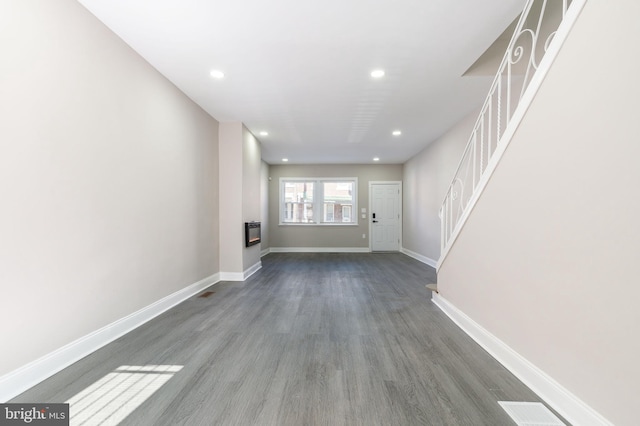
[
  {"x": 287, "y": 236},
  {"x": 264, "y": 205},
  {"x": 231, "y": 188},
  {"x": 251, "y": 184},
  {"x": 240, "y": 168},
  {"x": 108, "y": 180},
  {"x": 548, "y": 259},
  {"x": 426, "y": 179}
]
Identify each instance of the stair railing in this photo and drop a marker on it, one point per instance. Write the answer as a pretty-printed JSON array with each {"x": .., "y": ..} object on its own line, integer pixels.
[{"x": 536, "y": 28}]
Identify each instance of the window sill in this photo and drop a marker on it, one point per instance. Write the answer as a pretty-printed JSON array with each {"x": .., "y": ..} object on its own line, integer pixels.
[{"x": 317, "y": 224}]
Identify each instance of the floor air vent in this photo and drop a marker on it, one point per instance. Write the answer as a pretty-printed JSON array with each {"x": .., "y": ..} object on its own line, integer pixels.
[
  {"x": 207, "y": 294},
  {"x": 530, "y": 414}
]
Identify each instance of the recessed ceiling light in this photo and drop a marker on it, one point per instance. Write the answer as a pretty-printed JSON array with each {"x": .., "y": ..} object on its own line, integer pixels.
[
  {"x": 284, "y": 160},
  {"x": 396, "y": 133},
  {"x": 377, "y": 73},
  {"x": 216, "y": 74},
  {"x": 264, "y": 133},
  {"x": 376, "y": 159}
]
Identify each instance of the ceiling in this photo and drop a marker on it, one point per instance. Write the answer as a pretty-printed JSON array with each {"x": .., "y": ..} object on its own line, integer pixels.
[{"x": 300, "y": 70}]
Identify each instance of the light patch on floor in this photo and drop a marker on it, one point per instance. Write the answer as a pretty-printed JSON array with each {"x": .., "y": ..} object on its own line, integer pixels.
[
  {"x": 530, "y": 414},
  {"x": 112, "y": 398}
]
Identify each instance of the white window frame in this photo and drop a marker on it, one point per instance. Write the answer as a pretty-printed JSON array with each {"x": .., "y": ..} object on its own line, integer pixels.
[{"x": 318, "y": 201}]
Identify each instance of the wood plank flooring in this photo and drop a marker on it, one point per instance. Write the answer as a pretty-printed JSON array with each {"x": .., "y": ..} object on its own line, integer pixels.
[{"x": 310, "y": 339}]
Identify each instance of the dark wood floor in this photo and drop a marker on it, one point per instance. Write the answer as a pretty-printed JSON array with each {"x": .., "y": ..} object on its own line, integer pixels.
[{"x": 310, "y": 339}]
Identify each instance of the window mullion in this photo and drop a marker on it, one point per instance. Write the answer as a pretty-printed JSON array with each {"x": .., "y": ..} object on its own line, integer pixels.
[{"x": 318, "y": 202}]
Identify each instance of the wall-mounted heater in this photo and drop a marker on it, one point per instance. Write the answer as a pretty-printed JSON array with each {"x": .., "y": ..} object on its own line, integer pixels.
[{"x": 251, "y": 233}]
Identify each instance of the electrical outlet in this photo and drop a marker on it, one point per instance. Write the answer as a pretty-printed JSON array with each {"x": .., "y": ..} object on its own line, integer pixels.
[{"x": 364, "y": 235}]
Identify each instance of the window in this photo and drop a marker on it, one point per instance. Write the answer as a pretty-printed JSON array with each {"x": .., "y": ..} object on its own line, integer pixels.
[
  {"x": 298, "y": 202},
  {"x": 318, "y": 201}
]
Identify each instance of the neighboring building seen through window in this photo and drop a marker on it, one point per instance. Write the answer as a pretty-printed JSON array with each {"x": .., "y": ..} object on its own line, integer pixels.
[
  {"x": 318, "y": 201},
  {"x": 298, "y": 202}
]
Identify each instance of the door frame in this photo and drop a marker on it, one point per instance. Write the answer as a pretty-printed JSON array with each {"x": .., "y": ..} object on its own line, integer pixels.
[{"x": 370, "y": 219}]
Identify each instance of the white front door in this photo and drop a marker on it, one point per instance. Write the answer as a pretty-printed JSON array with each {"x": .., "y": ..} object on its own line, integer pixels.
[{"x": 385, "y": 216}]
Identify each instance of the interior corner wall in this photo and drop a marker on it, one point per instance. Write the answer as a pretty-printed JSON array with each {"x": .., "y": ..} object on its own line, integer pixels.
[
  {"x": 426, "y": 179},
  {"x": 108, "y": 181},
  {"x": 231, "y": 197},
  {"x": 264, "y": 205},
  {"x": 240, "y": 197},
  {"x": 251, "y": 206},
  {"x": 547, "y": 261}
]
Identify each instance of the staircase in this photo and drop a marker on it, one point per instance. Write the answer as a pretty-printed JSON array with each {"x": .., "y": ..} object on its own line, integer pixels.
[{"x": 540, "y": 32}]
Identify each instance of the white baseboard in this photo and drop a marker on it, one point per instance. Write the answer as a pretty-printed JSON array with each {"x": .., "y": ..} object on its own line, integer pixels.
[
  {"x": 421, "y": 258},
  {"x": 560, "y": 399},
  {"x": 265, "y": 252},
  {"x": 252, "y": 270},
  {"x": 240, "y": 276},
  {"x": 29, "y": 375},
  {"x": 231, "y": 276},
  {"x": 319, "y": 249}
]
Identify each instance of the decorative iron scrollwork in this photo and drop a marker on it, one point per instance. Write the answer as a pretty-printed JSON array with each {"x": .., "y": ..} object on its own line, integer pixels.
[{"x": 538, "y": 22}]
